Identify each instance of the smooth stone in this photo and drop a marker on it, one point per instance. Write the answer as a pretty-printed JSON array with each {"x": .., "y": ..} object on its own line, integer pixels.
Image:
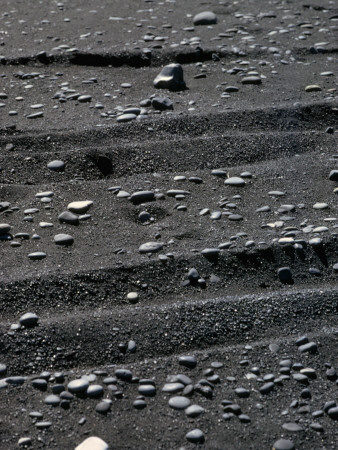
[
  {"x": 37, "y": 256},
  {"x": 43, "y": 425},
  {"x": 69, "y": 218},
  {"x": 283, "y": 444},
  {"x": 16, "y": 380},
  {"x": 79, "y": 385},
  {"x": 124, "y": 375},
  {"x": 170, "y": 77},
  {"x": 4, "y": 228},
  {"x": 310, "y": 347},
  {"x": 3, "y": 369},
  {"x": 84, "y": 98},
  {"x": 251, "y": 80},
  {"x": 44, "y": 194},
  {"x": 142, "y": 197},
  {"x": 267, "y": 388},
  {"x": 162, "y": 103},
  {"x": 56, "y": 166},
  {"x": 95, "y": 390},
  {"x": 25, "y": 441},
  {"x": 133, "y": 297},
  {"x": 333, "y": 175},
  {"x": 179, "y": 402},
  {"x": 139, "y": 404},
  {"x": 210, "y": 252},
  {"x": 80, "y": 207},
  {"x": 193, "y": 275},
  {"x": 53, "y": 400},
  {"x": 93, "y": 443},
  {"x": 219, "y": 173},
  {"x": 205, "y": 18},
  {"x": 333, "y": 413},
  {"x": 63, "y": 239},
  {"x": 29, "y": 320},
  {"x": 285, "y": 275},
  {"x": 103, "y": 407},
  {"x": 173, "y": 388},
  {"x": 216, "y": 215},
  {"x": 147, "y": 390},
  {"x": 175, "y": 192},
  {"x": 292, "y": 427},
  {"x": 313, "y": 88},
  {"x": 195, "y": 436},
  {"x": 235, "y": 181},
  {"x": 126, "y": 118},
  {"x": 320, "y": 206},
  {"x": 188, "y": 361},
  {"x": 151, "y": 247},
  {"x": 194, "y": 411}
]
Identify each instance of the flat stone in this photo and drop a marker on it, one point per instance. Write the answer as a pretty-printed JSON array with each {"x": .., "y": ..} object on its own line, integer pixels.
[
  {"x": 80, "y": 207},
  {"x": 292, "y": 427},
  {"x": 313, "y": 88},
  {"x": 173, "y": 388},
  {"x": 93, "y": 443},
  {"x": 79, "y": 385},
  {"x": 188, "y": 361},
  {"x": 148, "y": 390},
  {"x": 283, "y": 444},
  {"x": 151, "y": 247},
  {"x": 63, "y": 239},
  {"x": 126, "y": 118},
  {"x": 142, "y": 197},
  {"x": 179, "y": 402},
  {"x": 56, "y": 166},
  {"x": 251, "y": 80},
  {"x": 35, "y": 256},
  {"x": 235, "y": 181},
  {"x": 69, "y": 218}
]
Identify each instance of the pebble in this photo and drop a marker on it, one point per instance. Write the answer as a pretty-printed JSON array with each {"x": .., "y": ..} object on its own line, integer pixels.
[
  {"x": 292, "y": 427},
  {"x": 29, "y": 320},
  {"x": 162, "y": 103},
  {"x": 285, "y": 275},
  {"x": 196, "y": 436},
  {"x": 95, "y": 390},
  {"x": 188, "y": 361},
  {"x": 267, "y": 388},
  {"x": 147, "y": 390},
  {"x": 235, "y": 181},
  {"x": 205, "y": 18},
  {"x": 333, "y": 175},
  {"x": 53, "y": 400},
  {"x": 151, "y": 247},
  {"x": 25, "y": 441},
  {"x": 170, "y": 77},
  {"x": 79, "y": 385},
  {"x": 4, "y": 228},
  {"x": 93, "y": 443},
  {"x": 56, "y": 166},
  {"x": 126, "y": 118},
  {"x": 103, "y": 407},
  {"x": 35, "y": 256},
  {"x": 63, "y": 239},
  {"x": 173, "y": 388},
  {"x": 310, "y": 347},
  {"x": 80, "y": 207},
  {"x": 69, "y": 218},
  {"x": 283, "y": 444},
  {"x": 313, "y": 88},
  {"x": 179, "y": 402},
  {"x": 142, "y": 197},
  {"x": 194, "y": 411},
  {"x": 252, "y": 80}
]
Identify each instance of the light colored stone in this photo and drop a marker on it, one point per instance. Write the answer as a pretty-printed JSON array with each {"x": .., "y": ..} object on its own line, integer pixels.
[{"x": 93, "y": 443}]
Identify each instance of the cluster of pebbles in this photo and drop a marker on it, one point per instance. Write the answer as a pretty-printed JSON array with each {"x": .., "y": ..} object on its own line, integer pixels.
[{"x": 184, "y": 392}]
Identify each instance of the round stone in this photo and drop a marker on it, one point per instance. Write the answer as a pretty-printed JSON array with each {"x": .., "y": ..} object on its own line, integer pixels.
[
  {"x": 63, "y": 239},
  {"x": 147, "y": 390},
  {"x": 103, "y": 407},
  {"x": 29, "y": 320},
  {"x": 79, "y": 385},
  {"x": 196, "y": 436},
  {"x": 56, "y": 166},
  {"x": 151, "y": 247},
  {"x": 179, "y": 402},
  {"x": 95, "y": 390},
  {"x": 162, "y": 103},
  {"x": 205, "y": 18},
  {"x": 53, "y": 400},
  {"x": 173, "y": 388},
  {"x": 93, "y": 443},
  {"x": 194, "y": 411},
  {"x": 133, "y": 297}
]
